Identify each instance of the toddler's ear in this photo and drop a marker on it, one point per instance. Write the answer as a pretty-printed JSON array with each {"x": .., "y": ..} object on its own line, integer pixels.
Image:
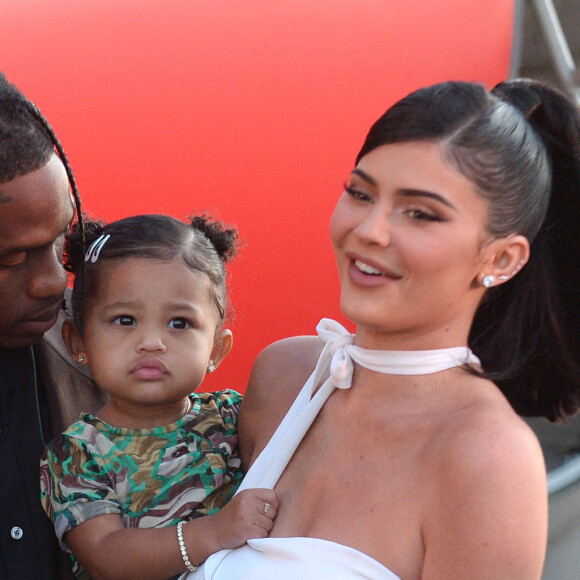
[
  {"x": 73, "y": 341},
  {"x": 222, "y": 346}
]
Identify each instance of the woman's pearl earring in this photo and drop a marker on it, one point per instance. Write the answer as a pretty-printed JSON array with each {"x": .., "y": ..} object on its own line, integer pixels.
[{"x": 488, "y": 281}]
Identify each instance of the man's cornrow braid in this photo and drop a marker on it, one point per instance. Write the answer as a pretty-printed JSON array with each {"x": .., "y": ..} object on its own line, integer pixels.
[
  {"x": 37, "y": 114},
  {"x": 35, "y": 111}
]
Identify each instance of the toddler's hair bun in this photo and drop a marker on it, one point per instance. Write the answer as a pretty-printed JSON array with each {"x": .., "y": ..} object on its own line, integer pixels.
[{"x": 223, "y": 238}]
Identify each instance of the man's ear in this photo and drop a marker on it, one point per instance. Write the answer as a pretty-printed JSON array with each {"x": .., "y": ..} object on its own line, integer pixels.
[
  {"x": 74, "y": 342},
  {"x": 503, "y": 259},
  {"x": 222, "y": 345}
]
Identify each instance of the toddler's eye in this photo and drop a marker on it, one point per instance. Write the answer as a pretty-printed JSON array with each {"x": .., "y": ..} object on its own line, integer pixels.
[
  {"x": 125, "y": 320},
  {"x": 179, "y": 324}
]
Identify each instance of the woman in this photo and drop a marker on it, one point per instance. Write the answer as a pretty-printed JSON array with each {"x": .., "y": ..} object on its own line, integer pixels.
[{"x": 455, "y": 243}]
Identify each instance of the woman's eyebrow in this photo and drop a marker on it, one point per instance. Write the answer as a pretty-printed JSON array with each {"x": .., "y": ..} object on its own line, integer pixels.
[
  {"x": 410, "y": 192},
  {"x": 407, "y": 192},
  {"x": 363, "y": 175}
]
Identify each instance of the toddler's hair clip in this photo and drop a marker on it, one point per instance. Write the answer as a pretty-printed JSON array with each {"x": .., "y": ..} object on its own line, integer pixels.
[{"x": 95, "y": 248}]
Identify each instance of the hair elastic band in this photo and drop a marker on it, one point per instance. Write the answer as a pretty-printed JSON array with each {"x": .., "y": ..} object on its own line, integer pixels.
[{"x": 95, "y": 248}]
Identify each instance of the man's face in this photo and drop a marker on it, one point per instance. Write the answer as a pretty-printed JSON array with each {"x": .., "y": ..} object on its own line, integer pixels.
[{"x": 36, "y": 211}]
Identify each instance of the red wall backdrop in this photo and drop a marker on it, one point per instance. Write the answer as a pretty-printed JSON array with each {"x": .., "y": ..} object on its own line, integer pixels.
[{"x": 253, "y": 110}]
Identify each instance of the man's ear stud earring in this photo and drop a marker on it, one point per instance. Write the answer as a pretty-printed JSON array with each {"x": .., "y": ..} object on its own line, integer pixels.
[
  {"x": 210, "y": 366},
  {"x": 81, "y": 358}
]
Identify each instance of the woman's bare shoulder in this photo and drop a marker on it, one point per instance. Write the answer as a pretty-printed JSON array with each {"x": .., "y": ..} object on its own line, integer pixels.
[
  {"x": 489, "y": 498},
  {"x": 287, "y": 360},
  {"x": 496, "y": 445},
  {"x": 277, "y": 376}
]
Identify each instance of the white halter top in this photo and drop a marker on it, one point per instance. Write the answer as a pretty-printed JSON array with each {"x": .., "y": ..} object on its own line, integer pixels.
[{"x": 288, "y": 554}]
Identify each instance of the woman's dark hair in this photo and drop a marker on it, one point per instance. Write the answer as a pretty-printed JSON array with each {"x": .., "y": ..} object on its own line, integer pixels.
[
  {"x": 27, "y": 141},
  {"x": 520, "y": 146},
  {"x": 204, "y": 244}
]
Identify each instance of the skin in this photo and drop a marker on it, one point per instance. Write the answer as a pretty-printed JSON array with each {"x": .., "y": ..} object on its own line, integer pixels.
[
  {"x": 149, "y": 335},
  {"x": 149, "y": 349},
  {"x": 36, "y": 210},
  {"x": 434, "y": 476},
  {"x": 424, "y": 231}
]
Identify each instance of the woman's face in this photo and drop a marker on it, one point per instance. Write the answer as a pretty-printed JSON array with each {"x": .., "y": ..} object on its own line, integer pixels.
[{"x": 408, "y": 234}]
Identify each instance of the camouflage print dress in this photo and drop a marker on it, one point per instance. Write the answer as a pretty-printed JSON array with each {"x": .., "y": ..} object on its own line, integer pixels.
[{"x": 150, "y": 477}]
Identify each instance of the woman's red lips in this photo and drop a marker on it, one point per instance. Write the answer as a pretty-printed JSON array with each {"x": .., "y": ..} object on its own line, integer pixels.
[
  {"x": 367, "y": 268},
  {"x": 369, "y": 273},
  {"x": 370, "y": 267}
]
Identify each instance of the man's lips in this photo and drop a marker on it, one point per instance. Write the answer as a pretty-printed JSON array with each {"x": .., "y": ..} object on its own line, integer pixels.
[
  {"x": 149, "y": 369},
  {"x": 44, "y": 314},
  {"x": 39, "y": 326},
  {"x": 41, "y": 322}
]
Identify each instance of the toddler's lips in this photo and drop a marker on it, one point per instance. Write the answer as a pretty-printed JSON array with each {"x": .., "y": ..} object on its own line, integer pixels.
[{"x": 149, "y": 370}]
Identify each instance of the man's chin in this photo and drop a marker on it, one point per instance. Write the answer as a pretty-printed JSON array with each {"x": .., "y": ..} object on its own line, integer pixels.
[
  {"x": 23, "y": 338},
  {"x": 19, "y": 342}
]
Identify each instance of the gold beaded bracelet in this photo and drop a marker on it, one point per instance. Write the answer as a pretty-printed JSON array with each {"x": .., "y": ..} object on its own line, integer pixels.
[{"x": 183, "y": 549}]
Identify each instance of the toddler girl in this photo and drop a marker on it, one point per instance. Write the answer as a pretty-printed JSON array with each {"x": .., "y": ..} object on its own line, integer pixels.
[{"x": 149, "y": 301}]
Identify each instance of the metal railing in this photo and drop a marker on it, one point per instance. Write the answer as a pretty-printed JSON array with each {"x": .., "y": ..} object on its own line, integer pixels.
[
  {"x": 556, "y": 44},
  {"x": 564, "y": 476}
]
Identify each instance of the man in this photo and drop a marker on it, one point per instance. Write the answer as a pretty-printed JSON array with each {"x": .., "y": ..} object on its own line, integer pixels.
[{"x": 41, "y": 389}]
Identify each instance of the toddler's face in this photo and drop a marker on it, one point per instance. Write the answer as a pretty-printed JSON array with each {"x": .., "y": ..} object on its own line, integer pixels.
[{"x": 149, "y": 332}]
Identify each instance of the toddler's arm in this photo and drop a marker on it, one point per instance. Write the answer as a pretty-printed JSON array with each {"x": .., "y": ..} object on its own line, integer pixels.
[{"x": 107, "y": 550}]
